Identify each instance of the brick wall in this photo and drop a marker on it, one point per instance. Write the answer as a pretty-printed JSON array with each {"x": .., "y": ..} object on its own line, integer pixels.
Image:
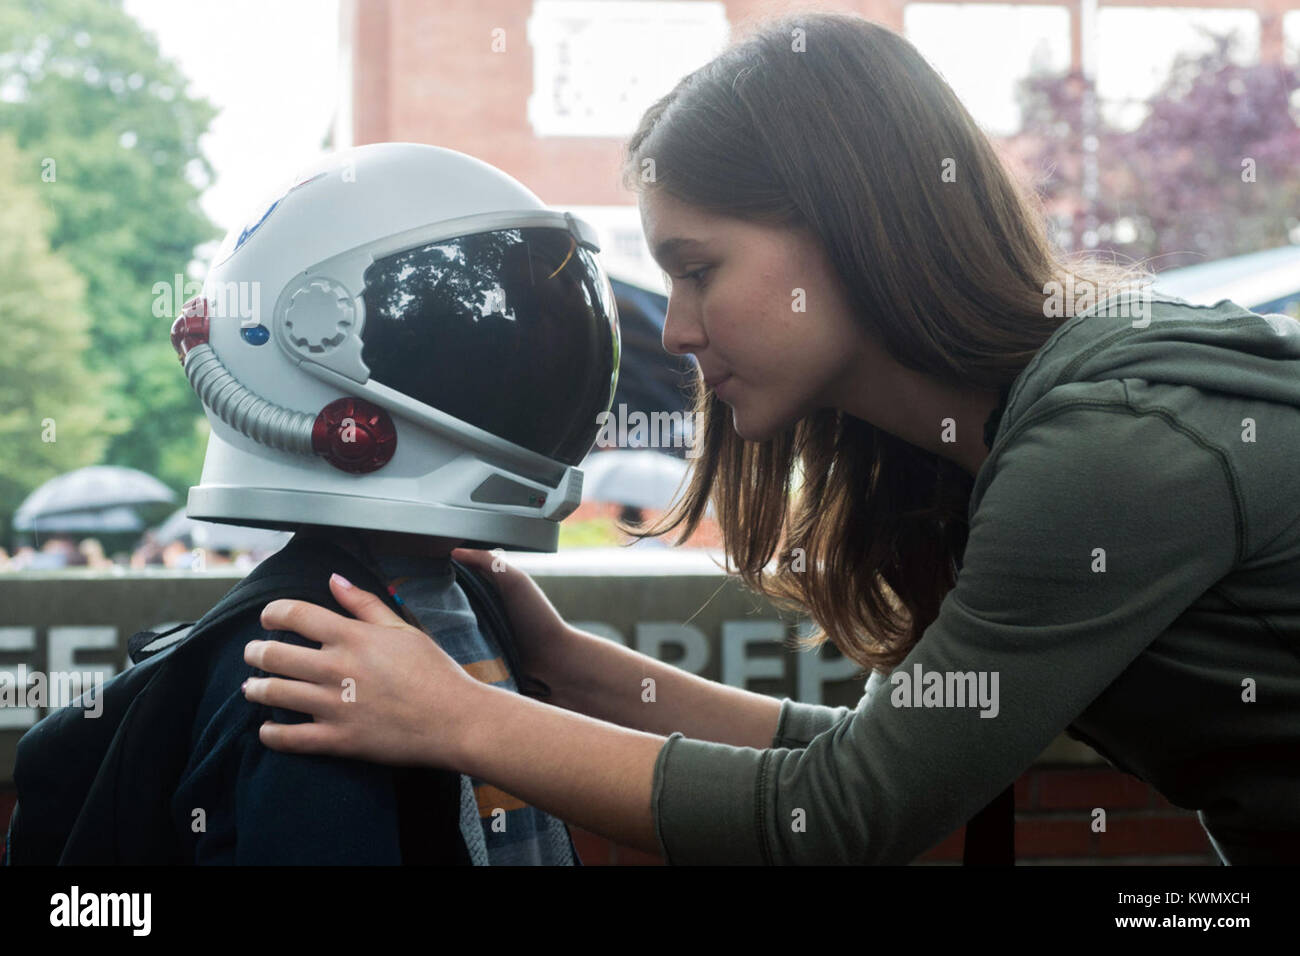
[
  {"x": 429, "y": 73},
  {"x": 1054, "y": 813}
]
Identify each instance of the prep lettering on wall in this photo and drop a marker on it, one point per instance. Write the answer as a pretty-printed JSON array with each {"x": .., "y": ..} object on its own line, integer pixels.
[
  {"x": 742, "y": 663},
  {"x": 30, "y": 687},
  {"x": 749, "y": 651}
]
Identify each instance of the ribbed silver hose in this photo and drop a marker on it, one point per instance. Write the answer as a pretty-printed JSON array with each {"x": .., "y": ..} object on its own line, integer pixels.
[{"x": 255, "y": 417}]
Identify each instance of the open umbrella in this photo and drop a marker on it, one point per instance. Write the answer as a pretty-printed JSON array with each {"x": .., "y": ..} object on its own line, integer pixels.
[
  {"x": 119, "y": 520},
  {"x": 86, "y": 490}
]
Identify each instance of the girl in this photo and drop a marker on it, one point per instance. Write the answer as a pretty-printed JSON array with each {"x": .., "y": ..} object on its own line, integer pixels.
[{"x": 881, "y": 323}]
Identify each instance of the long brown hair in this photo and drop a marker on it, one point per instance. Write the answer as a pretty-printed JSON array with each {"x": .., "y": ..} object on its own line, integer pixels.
[{"x": 845, "y": 129}]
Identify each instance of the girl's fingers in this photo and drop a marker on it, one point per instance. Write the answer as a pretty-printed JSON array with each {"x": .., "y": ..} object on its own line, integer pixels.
[
  {"x": 289, "y": 660},
  {"x": 300, "y": 738},
  {"x": 323, "y": 625},
  {"x": 499, "y": 571},
  {"x": 481, "y": 560},
  {"x": 319, "y": 702},
  {"x": 310, "y": 620},
  {"x": 363, "y": 604}
]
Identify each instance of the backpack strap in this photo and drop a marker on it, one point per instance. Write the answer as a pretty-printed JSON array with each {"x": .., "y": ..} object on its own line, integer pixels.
[
  {"x": 307, "y": 557},
  {"x": 143, "y": 645},
  {"x": 255, "y": 587}
]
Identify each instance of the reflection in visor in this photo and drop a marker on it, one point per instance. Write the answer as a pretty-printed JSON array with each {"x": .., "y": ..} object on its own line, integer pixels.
[{"x": 514, "y": 331}]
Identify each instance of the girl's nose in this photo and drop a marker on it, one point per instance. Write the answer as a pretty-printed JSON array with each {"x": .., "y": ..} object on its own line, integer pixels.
[{"x": 680, "y": 336}]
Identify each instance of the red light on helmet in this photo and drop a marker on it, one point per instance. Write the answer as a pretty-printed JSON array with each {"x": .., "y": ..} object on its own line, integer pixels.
[
  {"x": 191, "y": 327},
  {"x": 354, "y": 436}
]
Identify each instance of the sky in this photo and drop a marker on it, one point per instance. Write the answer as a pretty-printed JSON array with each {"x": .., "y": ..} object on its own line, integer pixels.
[{"x": 271, "y": 67}]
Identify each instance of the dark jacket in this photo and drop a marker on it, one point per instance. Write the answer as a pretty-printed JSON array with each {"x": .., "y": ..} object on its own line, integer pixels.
[{"x": 177, "y": 773}]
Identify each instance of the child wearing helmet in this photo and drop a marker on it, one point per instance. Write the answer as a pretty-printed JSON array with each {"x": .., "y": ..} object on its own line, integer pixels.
[{"x": 403, "y": 353}]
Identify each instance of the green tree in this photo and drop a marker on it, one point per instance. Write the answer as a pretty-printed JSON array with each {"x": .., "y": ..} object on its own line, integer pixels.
[
  {"x": 112, "y": 144},
  {"x": 52, "y": 415}
]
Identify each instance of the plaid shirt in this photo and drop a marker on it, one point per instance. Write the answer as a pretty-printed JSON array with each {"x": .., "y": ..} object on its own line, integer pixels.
[{"x": 499, "y": 829}]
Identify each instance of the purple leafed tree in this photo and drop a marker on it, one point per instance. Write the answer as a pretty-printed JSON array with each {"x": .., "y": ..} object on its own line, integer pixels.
[{"x": 1213, "y": 169}]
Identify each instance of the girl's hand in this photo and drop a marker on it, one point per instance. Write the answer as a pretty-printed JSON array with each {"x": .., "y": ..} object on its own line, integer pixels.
[
  {"x": 378, "y": 689},
  {"x": 539, "y": 631}
]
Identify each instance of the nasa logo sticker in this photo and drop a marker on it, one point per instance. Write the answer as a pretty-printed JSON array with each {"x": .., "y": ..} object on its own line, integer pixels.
[{"x": 247, "y": 232}]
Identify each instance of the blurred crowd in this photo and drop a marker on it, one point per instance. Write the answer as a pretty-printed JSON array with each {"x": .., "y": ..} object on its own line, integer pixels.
[
  {"x": 593, "y": 524},
  {"x": 63, "y": 551}
]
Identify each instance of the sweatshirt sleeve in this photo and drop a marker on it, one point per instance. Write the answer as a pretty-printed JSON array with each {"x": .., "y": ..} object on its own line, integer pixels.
[
  {"x": 1099, "y": 527},
  {"x": 798, "y": 723}
]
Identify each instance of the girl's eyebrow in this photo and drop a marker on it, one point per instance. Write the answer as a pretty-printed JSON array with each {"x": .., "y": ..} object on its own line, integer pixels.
[{"x": 668, "y": 249}]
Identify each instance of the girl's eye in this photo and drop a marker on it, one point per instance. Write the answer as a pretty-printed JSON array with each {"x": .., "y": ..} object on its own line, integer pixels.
[{"x": 697, "y": 274}]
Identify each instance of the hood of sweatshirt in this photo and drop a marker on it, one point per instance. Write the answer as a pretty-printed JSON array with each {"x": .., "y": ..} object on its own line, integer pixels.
[{"x": 1161, "y": 339}]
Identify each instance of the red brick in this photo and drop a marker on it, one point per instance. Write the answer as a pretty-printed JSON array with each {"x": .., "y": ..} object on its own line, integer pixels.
[
  {"x": 1153, "y": 836},
  {"x": 1086, "y": 789},
  {"x": 1027, "y": 791},
  {"x": 427, "y": 73},
  {"x": 1037, "y": 837}
]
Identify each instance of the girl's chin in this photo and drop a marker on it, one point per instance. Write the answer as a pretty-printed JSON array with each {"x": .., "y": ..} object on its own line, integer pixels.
[
  {"x": 751, "y": 430},
  {"x": 761, "y": 427}
]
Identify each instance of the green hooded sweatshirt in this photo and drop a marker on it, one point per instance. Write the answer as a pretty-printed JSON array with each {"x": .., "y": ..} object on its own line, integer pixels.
[{"x": 1131, "y": 577}]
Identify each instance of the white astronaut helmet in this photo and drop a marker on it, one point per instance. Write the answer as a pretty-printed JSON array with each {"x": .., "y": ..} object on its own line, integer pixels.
[{"x": 406, "y": 339}]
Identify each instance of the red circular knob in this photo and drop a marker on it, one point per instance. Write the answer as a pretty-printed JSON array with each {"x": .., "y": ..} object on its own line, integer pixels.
[
  {"x": 191, "y": 327},
  {"x": 354, "y": 435}
]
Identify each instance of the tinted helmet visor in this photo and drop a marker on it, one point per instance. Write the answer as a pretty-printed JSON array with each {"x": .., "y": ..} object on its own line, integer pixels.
[{"x": 514, "y": 331}]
